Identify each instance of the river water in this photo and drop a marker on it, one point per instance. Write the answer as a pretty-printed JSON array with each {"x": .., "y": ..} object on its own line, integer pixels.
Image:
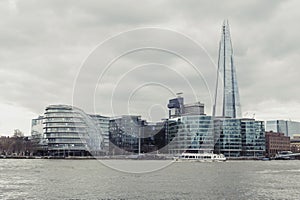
[{"x": 90, "y": 179}]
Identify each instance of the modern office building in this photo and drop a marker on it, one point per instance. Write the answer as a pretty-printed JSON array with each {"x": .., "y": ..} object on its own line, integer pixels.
[
  {"x": 190, "y": 133},
  {"x": 129, "y": 134},
  {"x": 289, "y": 128},
  {"x": 154, "y": 138},
  {"x": 228, "y": 137},
  {"x": 253, "y": 138},
  {"x": 239, "y": 137},
  {"x": 226, "y": 68},
  {"x": 188, "y": 129},
  {"x": 293, "y": 128},
  {"x": 71, "y": 132},
  {"x": 276, "y": 142},
  {"x": 124, "y": 134},
  {"x": 37, "y": 130}
]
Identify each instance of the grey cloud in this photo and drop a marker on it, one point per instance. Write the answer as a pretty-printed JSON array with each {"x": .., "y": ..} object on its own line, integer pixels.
[{"x": 43, "y": 44}]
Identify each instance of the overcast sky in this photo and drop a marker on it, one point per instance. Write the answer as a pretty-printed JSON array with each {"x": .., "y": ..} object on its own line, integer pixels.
[{"x": 52, "y": 52}]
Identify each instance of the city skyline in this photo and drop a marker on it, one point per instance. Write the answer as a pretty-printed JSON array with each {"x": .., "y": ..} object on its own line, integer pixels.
[{"x": 41, "y": 56}]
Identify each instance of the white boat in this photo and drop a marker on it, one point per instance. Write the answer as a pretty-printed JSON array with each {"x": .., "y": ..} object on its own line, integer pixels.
[{"x": 200, "y": 157}]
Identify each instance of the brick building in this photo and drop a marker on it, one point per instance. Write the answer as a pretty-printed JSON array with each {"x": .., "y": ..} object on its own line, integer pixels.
[{"x": 276, "y": 142}]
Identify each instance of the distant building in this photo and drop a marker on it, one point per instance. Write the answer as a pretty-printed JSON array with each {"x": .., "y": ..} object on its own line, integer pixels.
[
  {"x": 193, "y": 109},
  {"x": 295, "y": 143},
  {"x": 276, "y": 142},
  {"x": 293, "y": 128},
  {"x": 177, "y": 108},
  {"x": 38, "y": 137},
  {"x": 289, "y": 128},
  {"x": 37, "y": 130}
]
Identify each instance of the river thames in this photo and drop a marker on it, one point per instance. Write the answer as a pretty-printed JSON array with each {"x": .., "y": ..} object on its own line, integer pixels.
[{"x": 90, "y": 179}]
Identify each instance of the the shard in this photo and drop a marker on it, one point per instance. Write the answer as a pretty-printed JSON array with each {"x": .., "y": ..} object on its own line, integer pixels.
[{"x": 227, "y": 71}]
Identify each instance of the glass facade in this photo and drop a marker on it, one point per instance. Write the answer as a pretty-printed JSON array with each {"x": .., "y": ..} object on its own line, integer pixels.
[
  {"x": 193, "y": 133},
  {"x": 226, "y": 67},
  {"x": 293, "y": 128},
  {"x": 102, "y": 124},
  {"x": 228, "y": 138},
  {"x": 39, "y": 139},
  {"x": 253, "y": 138},
  {"x": 239, "y": 137},
  {"x": 124, "y": 132}
]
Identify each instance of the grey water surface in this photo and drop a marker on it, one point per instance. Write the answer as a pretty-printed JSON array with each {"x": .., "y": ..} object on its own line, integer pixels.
[{"x": 90, "y": 179}]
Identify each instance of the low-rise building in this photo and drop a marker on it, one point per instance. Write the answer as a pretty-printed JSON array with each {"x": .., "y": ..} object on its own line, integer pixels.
[{"x": 276, "y": 142}]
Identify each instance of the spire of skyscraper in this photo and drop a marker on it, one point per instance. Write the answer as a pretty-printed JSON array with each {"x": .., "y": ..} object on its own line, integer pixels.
[{"x": 226, "y": 68}]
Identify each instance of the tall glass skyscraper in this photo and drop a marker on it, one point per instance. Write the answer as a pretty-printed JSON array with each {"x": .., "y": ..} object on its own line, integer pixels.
[{"x": 226, "y": 68}]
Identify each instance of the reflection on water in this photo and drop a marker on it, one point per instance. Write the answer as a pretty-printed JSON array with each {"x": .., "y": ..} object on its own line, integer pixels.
[{"x": 90, "y": 179}]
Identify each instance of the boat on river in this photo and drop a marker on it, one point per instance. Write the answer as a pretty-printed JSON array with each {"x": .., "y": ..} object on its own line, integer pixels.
[{"x": 200, "y": 157}]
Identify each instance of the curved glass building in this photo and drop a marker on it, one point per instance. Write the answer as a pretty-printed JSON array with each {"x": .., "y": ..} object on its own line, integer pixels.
[{"x": 71, "y": 132}]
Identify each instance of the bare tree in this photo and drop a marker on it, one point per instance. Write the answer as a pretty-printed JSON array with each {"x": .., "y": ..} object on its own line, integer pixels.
[{"x": 18, "y": 133}]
